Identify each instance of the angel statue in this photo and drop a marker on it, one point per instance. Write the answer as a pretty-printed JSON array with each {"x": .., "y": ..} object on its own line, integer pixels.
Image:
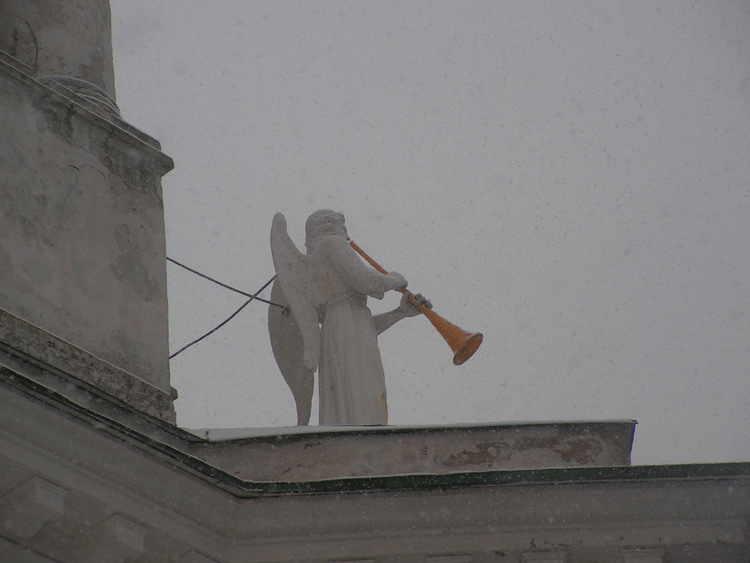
[{"x": 328, "y": 325}]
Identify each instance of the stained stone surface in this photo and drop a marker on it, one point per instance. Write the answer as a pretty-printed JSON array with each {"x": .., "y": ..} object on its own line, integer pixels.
[
  {"x": 339, "y": 452},
  {"x": 82, "y": 243}
]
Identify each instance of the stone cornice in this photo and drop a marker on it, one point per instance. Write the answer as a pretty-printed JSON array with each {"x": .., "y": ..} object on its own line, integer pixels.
[
  {"x": 72, "y": 106},
  {"x": 65, "y": 362}
]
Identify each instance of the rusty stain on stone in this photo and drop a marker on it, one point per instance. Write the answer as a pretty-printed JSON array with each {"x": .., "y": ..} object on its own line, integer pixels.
[
  {"x": 486, "y": 454},
  {"x": 582, "y": 450}
]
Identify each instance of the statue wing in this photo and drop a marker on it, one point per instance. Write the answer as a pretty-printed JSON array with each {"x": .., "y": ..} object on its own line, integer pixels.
[
  {"x": 288, "y": 349},
  {"x": 295, "y": 339}
]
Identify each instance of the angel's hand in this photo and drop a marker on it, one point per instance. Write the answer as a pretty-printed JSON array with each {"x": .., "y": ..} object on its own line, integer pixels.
[
  {"x": 396, "y": 281},
  {"x": 408, "y": 309}
]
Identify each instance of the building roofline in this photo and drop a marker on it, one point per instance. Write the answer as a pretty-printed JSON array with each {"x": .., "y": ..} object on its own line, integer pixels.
[
  {"x": 291, "y": 433},
  {"x": 171, "y": 448}
]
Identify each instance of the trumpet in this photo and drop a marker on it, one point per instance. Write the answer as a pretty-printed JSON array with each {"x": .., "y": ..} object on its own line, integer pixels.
[{"x": 462, "y": 343}]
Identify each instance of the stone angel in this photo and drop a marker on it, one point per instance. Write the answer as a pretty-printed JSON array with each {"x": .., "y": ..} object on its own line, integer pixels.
[{"x": 328, "y": 325}]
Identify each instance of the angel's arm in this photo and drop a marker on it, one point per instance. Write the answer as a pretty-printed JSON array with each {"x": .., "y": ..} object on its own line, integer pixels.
[
  {"x": 405, "y": 309},
  {"x": 355, "y": 273}
]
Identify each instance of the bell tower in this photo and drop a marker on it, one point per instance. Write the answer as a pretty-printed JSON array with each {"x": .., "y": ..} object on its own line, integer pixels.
[{"x": 83, "y": 290}]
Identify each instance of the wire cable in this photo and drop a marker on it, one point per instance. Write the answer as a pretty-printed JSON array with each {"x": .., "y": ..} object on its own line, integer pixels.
[
  {"x": 204, "y": 276},
  {"x": 209, "y": 333}
]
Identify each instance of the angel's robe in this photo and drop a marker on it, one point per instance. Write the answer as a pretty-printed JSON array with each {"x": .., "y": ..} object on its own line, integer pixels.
[{"x": 350, "y": 371}]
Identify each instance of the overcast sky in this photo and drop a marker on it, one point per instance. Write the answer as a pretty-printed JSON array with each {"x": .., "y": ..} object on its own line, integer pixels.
[{"x": 572, "y": 179}]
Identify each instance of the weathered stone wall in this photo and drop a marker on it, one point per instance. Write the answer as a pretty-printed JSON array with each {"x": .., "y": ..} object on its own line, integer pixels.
[{"x": 82, "y": 243}]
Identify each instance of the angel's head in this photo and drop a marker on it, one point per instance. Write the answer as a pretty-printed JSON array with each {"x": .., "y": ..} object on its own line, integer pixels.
[{"x": 323, "y": 223}]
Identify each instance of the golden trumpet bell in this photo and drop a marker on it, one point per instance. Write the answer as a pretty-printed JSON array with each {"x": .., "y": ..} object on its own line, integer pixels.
[
  {"x": 463, "y": 343},
  {"x": 467, "y": 349}
]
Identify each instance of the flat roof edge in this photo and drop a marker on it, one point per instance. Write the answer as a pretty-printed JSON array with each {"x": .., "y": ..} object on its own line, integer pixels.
[
  {"x": 548, "y": 476},
  {"x": 306, "y": 432},
  {"x": 190, "y": 464}
]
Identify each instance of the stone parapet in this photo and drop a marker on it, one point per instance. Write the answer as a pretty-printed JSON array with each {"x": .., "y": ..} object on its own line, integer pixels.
[{"x": 311, "y": 454}]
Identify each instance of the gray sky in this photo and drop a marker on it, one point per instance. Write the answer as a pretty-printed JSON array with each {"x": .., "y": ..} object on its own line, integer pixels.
[{"x": 572, "y": 179}]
